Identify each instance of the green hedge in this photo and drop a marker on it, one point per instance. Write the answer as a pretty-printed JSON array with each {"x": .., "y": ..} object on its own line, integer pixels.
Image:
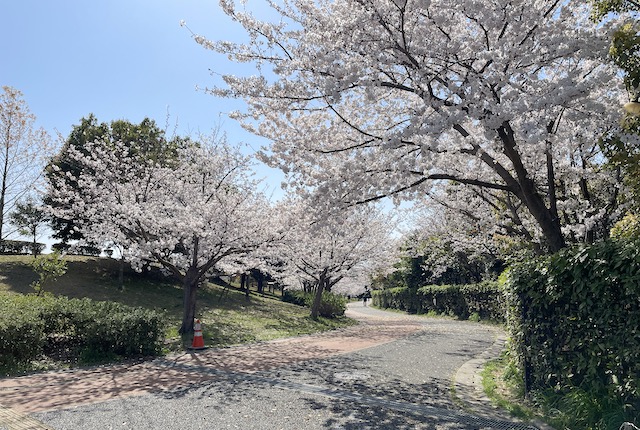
[
  {"x": 22, "y": 331},
  {"x": 331, "y": 306},
  {"x": 485, "y": 299},
  {"x": 400, "y": 298},
  {"x": 574, "y": 319},
  {"x": 32, "y": 327},
  {"x": 13, "y": 247}
]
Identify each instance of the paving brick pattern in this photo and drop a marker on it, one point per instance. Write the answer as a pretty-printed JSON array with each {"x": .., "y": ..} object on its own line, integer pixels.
[{"x": 57, "y": 391}]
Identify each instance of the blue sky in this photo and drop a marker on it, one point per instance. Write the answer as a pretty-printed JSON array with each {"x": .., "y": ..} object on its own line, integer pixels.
[{"x": 120, "y": 59}]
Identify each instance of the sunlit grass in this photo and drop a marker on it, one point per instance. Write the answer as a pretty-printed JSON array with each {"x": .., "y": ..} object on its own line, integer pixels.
[
  {"x": 502, "y": 391},
  {"x": 227, "y": 315},
  {"x": 568, "y": 409}
]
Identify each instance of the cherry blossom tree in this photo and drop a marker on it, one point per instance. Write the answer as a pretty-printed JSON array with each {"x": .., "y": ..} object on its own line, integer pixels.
[
  {"x": 147, "y": 141},
  {"x": 23, "y": 149},
  {"x": 452, "y": 247},
  {"x": 366, "y": 99},
  {"x": 189, "y": 215},
  {"x": 326, "y": 249}
]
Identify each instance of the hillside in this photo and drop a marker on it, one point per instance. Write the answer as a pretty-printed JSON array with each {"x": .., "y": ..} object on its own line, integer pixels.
[{"x": 228, "y": 316}]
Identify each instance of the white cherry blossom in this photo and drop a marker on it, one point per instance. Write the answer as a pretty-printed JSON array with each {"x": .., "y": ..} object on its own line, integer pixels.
[
  {"x": 189, "y": 215},
  {"x": 363, "y": 99}
]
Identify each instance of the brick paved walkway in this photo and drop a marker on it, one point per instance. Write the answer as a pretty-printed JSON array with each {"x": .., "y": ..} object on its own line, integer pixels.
[{"x": 64, "y": 389}]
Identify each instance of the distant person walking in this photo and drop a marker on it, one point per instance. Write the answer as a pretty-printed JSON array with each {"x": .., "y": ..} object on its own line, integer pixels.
[{"x": 366, "y": 296}]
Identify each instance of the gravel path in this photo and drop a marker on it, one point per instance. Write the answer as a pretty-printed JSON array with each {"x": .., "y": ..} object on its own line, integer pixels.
[{"x": 340, "y": 381}]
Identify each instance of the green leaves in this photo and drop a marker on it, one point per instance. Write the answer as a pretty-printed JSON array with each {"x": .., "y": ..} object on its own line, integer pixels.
[
  {"x": 573, "y": 318},
  {"x": 49, "y": 268},
  {"x": 486, "y": 300},
  {"x": 32, "y": 327}
]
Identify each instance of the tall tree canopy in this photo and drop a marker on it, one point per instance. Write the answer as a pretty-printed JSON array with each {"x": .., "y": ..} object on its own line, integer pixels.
[
  {"x": 372, "y": 98},
  {"x": 147, "y": 144},
  {"x": 622, "y": 145},
  {"x": 188, "y": 216}
]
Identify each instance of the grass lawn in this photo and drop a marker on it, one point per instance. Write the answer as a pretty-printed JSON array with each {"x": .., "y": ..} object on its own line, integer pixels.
[
  {"x": 503, "y": 392},
  {"x": 228, "y": 317}
]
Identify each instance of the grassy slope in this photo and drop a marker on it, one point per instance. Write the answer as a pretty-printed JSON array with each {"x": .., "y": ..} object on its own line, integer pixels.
[{"x": 227, "y": 316}]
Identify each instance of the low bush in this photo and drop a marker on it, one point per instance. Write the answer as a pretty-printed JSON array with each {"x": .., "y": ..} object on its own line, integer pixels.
[
  {"x": 22, "y": 332},
  {"x": 125, "y": 331},
  {"x": 297, "y": 297},
  {"x": 486, "y": 300},
  {"x": 331, "y": 306},
  {"x": 33, "y": 327},
  {"x": 573, "y": 321},
  {"x": 400, "y": 298},
  {"x": 15, "y": 247}
]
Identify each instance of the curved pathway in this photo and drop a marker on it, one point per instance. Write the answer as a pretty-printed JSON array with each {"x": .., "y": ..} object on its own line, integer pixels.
[{"x": 392, "y": 371}]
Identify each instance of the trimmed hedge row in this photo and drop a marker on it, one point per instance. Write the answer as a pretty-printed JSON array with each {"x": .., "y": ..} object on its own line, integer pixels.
[
  {"x": 13, "y": 247},
  {"x": 574, "y": 319},
  {"x": 332, "y": 305},
  {"x": 32, "y": 327},
  {"x": 400, "y": 298},
  {"x": 485, "y": 299}
]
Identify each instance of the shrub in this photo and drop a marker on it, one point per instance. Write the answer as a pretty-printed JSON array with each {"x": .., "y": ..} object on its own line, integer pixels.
[
  {"x": 443, "y": 299},
  {"x": 331, "y": 306},
  {"x": 401, "y": 298},
  {"x": 124, "y": 331},
  {"x": 19, "y": 247},
  {"x": 33, "y": 326},
  {"x": 627, "y": 228},
  {"x": 574, "y": 320},
  {"x": 297, "y": 297},
  {"x": 49, "y": 268},
  {"x": 22, "y": 336},
  {"x": 485, "y": 299}
]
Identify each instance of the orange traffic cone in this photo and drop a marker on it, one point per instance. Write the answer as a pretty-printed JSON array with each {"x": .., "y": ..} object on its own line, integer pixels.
[{"x": 198, "y": 340}]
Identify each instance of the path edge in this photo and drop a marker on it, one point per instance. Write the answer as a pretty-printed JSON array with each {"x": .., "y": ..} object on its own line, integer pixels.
[{"x": 468, "y": 390}]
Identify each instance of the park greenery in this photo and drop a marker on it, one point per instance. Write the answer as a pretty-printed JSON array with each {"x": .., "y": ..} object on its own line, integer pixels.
[
  {"x": 500, "y": 122},
  {"x": 85, "y": 312},
  {"x": 48, "y": 268}
]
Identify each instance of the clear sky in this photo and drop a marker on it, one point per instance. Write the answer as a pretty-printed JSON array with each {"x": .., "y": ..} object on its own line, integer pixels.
[{"x": 119, "y": 59}]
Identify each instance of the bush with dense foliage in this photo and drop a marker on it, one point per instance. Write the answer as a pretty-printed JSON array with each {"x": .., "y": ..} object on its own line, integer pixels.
[
  {"x": 485, "y": 299},
  {"x": 628, "y": 228},
  {"x": 574, "y": 320},
  {"x": 400, "y": 298},
  {"x": 32, "y": 327},
  {"x": 332, "y": 305},
  {"x": 22, "y": 335},
  {"x": 15, "y": 247}
]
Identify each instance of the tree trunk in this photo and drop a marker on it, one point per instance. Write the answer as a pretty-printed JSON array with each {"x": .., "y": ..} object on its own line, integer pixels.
[
  {"x": 121, "y": 273},
  {"x": 550, "y": 227},
  {"x": 315, "y": 309},
  {"x": 190, "y": 286},
  {"x": 260, "y": 280},
  {"x": 529, "y": 195},
  {"x": 244, "y": 284},
  {"x": 5, "y": 174},
  {"x": 34, "y": 245}
]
